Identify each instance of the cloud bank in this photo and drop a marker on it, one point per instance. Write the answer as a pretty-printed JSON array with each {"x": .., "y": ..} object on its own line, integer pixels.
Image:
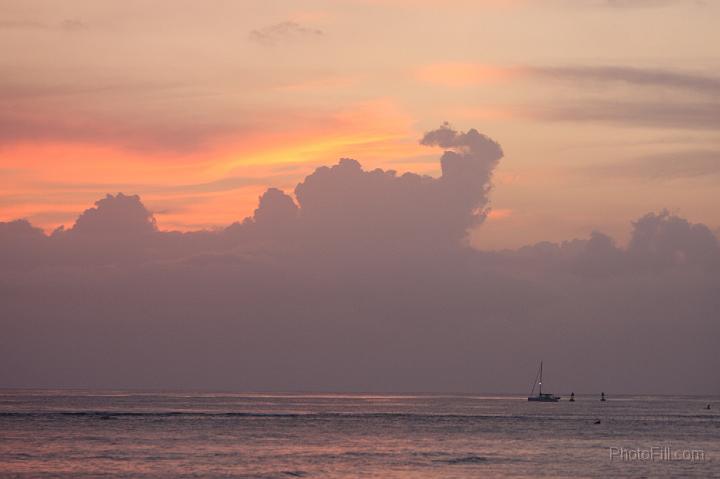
[{"x": 360, "y": 281}]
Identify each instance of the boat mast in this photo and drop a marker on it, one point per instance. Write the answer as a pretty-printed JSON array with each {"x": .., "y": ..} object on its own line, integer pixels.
[
  {"x": 540, "y": 379},
  {"x": 535, "y": 381}
]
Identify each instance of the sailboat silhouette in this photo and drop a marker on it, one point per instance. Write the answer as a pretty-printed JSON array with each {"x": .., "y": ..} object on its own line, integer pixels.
[{"x": 541, "y": 396}]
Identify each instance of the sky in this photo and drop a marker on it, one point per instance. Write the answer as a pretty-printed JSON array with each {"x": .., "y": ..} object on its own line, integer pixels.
[
  {"x": 605, "y": 109},
  {"x": 360, "y": 195}
]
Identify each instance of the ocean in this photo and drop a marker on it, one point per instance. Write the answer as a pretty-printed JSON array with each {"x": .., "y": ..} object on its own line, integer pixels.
[{"x": 94, "y": 434}]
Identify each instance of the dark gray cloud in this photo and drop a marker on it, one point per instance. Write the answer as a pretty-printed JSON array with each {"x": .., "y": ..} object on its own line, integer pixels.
[
  {"x": 689, "y": 99},
  {"x": 662, "y": 78},
  {"x": 671, "y": 165},
  {"x": 693, "y": 115},
  {"x": 654, "y": 97},
  {"x": 284, "y": 32},
  {"x": 362, "y": 281}
]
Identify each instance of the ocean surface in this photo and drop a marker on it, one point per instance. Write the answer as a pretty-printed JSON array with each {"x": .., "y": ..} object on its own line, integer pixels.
[{"x": 193, "y": 434}]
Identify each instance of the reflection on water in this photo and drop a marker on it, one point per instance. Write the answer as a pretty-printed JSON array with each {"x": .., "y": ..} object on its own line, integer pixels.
[{"x": 128, "y": 434}]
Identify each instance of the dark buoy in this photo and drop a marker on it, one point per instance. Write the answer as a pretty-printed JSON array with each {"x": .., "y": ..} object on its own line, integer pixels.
[
  {"x": 572, "y": 397},
  {"x": 597, "y": 421},
  {"x": 602, "y": 396}
]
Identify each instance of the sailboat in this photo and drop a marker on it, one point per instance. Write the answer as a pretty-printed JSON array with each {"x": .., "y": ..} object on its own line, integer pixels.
[{"x": 541, "y": 396}]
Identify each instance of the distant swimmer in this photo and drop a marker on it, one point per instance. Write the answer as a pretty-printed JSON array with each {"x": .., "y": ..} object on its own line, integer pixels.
[
  {"x": 602, "y": 397},
  {"x": 572, "y": 397},
  {"x": 708, "y": 407}
]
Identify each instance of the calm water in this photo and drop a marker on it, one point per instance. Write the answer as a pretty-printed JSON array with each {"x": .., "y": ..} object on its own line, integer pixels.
[{"x": 129, "y": 434}]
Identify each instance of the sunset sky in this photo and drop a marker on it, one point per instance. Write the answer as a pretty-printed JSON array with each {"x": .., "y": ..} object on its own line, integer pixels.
[
  {"x": 605, "y": 109},
  {"x": 280, "y": 195}
]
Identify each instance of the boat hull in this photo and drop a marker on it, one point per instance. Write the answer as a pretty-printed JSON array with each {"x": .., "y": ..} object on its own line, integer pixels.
[{"x": 544, "y": 398}]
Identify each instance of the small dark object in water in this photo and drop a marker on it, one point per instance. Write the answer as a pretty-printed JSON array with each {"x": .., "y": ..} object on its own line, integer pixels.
[
  {"x": 294, "y": 473},
  {"x": 708, "y": 407},
  {"x": 602, "y": 396},
  {"x": 572, "y": 397},
  {"x": 106, "y": 417},
  {"x": 465, "y": 460},
  {"x": 597, "y": 422}
]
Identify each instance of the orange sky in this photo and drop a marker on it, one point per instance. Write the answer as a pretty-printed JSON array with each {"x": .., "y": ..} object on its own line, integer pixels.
[
  {"x": 208, "y": 188},
  {"x": 198, "y": 110}
]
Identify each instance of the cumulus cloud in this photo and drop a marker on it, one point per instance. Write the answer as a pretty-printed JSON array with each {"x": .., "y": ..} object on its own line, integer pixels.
[
  {"x": 115, "y": 216},
  {"x": 380, "y": 206},
  {"x": 360, "y": 281},
  {"x": 663, "y": 240},
  {"x": 275, "y": 208},
  {"x": 21, "y": 245}
]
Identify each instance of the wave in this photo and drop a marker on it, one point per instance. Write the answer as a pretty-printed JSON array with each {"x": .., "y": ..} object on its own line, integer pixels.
[
  {"x": 391, "y": 415},
  {"x": 464, "y": 460},
  {"x": 118, "y": 414},
  {"x": 108, "y": 414}
]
